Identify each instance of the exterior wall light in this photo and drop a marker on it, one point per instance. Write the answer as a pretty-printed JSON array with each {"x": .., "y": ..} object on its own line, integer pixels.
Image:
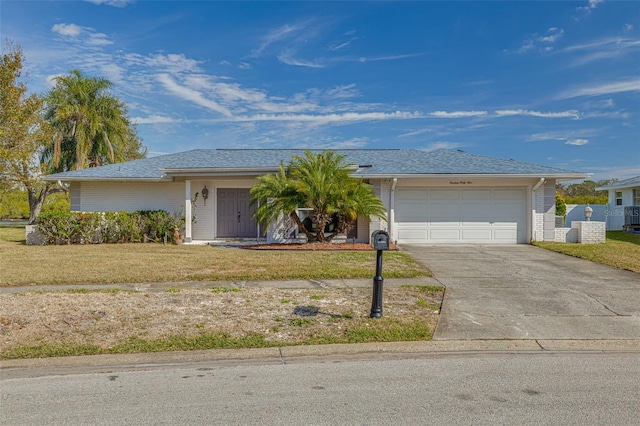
[
  {"x": 205, "y": 194},
  {"x": 588, "y": 211}
]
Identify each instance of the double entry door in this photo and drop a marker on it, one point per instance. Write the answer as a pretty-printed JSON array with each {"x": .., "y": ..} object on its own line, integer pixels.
[{"x": 234, "y": 214}]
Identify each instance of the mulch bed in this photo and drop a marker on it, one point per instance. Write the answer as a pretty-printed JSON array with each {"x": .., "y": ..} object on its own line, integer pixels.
[{"x": 315, "y": 247}]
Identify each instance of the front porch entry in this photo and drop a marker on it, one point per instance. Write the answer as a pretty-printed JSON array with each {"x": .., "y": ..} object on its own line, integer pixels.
[{"x": 234, "y": 214}]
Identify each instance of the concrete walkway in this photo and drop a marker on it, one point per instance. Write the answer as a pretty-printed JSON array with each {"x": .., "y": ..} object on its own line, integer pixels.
[{"x": 525, "y": 292}]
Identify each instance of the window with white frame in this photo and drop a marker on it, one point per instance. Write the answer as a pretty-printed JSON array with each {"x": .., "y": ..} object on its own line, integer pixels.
[
  {"x": 636, "y": 197},
  {"x": 618, "y": 198},
  {"x": 305, "y": 217}
]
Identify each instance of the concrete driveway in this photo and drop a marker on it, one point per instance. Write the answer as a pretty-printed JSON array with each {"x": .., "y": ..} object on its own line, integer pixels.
[{"x": 525, "y": 292}]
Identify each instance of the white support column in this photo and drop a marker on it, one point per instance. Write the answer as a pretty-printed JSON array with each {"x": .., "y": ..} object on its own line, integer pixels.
[
  {"x": 187, "y": 211},
  {"x": 392, "y": 210}
]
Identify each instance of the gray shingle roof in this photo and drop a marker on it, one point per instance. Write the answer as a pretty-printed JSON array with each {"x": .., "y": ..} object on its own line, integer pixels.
[
  {"x": 626, "y": 183},
  {"x": 383, "y": 162}
]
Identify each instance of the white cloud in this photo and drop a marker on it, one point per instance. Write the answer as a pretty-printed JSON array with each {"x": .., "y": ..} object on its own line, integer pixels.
[
  {"x": 605, "y": 48},
  {"x": 84, "y": 34},
  {"x": 113, "y": 72},
  {"x": 341, "y": 45},
  {"x": 286, "y": 57},
  {"x": 278, "y": 35},
  {"x": 628, "y": 27},
  {"x": 526, "y": 46},
  {"x": 591, "y": 4},
  {"x": 442, "y": 145},
  {"x": 415, "y": 133},
  {"x": 224, "y": 62},
  {"x": 154, "y": 119},
  {"x": 349, "y": 117},
  {"x": 577, "y": 142},
  {"x": 607, "y": 114},
  {"x": 69, "y": 30},
  {"x": 564, "y": 135},
  {"x": 542, "y": 43},
  {"x": 354, "y": 143},
  {"x": 553, "y": 34},
  {"x": 114, "y": 3},
  {"x": 562, "y": 114},
  {"x": 175, "y": 63},
  {"x": 244, "y": 65},
  {"x": 191, "y": 95},
  {"x": 601, "y": 89},
  {"x": 389, "y": 57},
  {"x": 98, "y": 39},
  {"x": 457, "y": 114}
]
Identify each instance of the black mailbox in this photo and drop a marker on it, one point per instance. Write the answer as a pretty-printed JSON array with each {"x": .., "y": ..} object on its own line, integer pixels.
[{"x": 380, "y": 240}]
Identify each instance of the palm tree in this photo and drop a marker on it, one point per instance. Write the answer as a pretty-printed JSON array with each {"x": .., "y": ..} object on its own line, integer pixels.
[
  {"x": 321, "y": 183},
  {"x": 92, "y": 127}
]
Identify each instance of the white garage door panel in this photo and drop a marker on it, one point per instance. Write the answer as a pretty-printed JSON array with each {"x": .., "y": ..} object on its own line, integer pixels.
[
  {"x": 477, "y": 194},
  {"x": 476, "y": 234},
  {"x": 444, "y": 194},
  {"x": 478, "y": 215},
  {"x": 412, "y": 234},
  {"x": 476, "y": 212},
  {"x": 505, "y": 234},
  {"x": 444, "y": 235}
]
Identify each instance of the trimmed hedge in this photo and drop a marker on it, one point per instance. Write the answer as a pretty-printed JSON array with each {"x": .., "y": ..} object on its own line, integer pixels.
[{"x": 110, "y": 227}]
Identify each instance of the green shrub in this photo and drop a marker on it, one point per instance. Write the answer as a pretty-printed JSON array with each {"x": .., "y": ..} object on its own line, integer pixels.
[
  {"x": 14, "y": 205},
  {"x": 119, "y": 227},
  {"x": 58, "y": 202}
]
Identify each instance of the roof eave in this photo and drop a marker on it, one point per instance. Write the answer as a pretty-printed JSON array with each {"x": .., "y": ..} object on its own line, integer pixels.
[
  {"x": 563, "y": 176},
  {"x": 627, "y": 186},
  {"x": 208, "y": 172},
  {"x": 105, "y": 179}
]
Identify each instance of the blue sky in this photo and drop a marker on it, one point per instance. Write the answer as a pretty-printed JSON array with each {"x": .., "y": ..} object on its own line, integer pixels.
[{"x": 554, "y": 83}]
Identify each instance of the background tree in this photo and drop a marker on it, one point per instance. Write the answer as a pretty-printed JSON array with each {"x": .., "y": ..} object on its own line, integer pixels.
[
  {"x": 319, "y": 182},
  {"x": 78, "y": 124},
  {"x": 91, "y": 125},
  {"x": 24, "y": 134},
  {"x": 585, "y": 192}
]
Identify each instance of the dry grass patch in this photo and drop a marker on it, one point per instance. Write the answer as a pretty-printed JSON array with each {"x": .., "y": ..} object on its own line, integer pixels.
[
  {"x": 38, "y": 324},
  {"x": 147, "y": 263},
  {"x": 621, "y": 250}
]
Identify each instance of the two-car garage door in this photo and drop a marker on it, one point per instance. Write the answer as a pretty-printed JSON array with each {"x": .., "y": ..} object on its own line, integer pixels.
[{"x": 461, "y": 215}]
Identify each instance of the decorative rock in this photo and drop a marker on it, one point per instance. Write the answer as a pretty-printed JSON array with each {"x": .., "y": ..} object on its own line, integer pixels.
[{"x": 33, "y": 236}]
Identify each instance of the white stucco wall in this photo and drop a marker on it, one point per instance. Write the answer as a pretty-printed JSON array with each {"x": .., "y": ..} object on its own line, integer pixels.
[
  {"x": 172, "y": 197},
  {"x": 614, "y": 213},
  {"x": 544, "y": 211},
  {"x": 128, "y": 196}
]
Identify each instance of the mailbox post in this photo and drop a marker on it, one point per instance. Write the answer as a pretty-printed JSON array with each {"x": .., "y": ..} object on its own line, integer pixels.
[{"x": 380, "y": 242}]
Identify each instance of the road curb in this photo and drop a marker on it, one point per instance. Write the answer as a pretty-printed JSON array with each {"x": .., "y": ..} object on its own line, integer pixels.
[{"x": 291, "y": 354}]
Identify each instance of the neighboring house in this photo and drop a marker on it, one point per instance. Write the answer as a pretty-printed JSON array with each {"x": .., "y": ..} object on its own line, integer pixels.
[
  {"x": 624, "y": 193},
  {"x": 442, "y": 196}
]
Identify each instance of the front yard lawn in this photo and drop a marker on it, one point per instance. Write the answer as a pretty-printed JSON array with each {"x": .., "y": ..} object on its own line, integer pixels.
[
  {"x": 22, "y": 265},
  {"x": 622, "y": 250}
]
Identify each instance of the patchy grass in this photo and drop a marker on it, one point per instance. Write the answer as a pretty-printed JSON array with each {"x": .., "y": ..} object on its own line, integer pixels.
[
  {"x": 621, "y": 250},
  {"x": 68, "y": 323},
  {"x": 23, "y": 265}
]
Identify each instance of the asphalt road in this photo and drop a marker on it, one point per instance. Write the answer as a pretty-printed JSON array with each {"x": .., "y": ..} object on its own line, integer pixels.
[{"x": 489, "y": 388}]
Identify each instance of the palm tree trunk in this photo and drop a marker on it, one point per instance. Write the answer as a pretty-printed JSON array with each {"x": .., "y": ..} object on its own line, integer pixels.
[{"x": 301, "y": 227}]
